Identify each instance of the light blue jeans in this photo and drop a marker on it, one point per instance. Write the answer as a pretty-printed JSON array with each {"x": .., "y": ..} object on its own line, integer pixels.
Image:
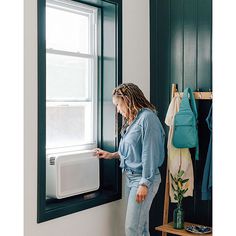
[{"x": 137, "y": 214}]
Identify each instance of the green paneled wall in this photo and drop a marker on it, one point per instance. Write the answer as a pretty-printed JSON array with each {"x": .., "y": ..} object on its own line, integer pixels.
[{"x": 181, "y": 53}]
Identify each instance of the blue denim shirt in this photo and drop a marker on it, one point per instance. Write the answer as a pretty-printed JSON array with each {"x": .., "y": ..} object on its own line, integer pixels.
[{"x": 141, "y": 148}]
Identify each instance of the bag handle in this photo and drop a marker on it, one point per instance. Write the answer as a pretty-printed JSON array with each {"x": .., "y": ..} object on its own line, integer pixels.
[{"x": 188, "y": 98}]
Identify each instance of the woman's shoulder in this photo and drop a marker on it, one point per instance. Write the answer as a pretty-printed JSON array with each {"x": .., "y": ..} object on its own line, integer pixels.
[
  {"x": 149, "y": 119},
  {"x": 147, "y": 114}
]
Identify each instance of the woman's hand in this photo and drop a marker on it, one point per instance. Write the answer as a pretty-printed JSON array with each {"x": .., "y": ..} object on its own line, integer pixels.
[
  {"x": 103, "y": 154},
  {"x": 141, "y": 193}
]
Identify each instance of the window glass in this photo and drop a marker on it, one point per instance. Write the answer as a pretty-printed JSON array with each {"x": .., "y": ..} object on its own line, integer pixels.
[
  {"x": 69, "y": 125},
  {"x": 68, "y": 77},
  {"x": 74, "y": 38},
  {"x": 71, "y": 75}
]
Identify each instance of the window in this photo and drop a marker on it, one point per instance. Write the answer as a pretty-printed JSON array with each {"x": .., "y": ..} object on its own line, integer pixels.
[
  {"x": 71, "y": 76},
  {"x": 79, "y": 63}
]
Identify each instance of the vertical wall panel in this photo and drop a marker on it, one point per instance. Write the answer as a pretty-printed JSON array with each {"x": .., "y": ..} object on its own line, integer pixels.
[
  {"x": 189, "y": 41},
  {"x": 159, "y": 86},
  {"x": 182, "y": 56},
  {"x": 204, "y": 83},
  {"x": 160, "y": 54},
  {"x": 204, "y": 45},
  {"x": 176, "y": 40}
]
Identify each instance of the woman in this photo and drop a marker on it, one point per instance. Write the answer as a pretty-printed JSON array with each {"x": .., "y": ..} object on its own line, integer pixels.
[{"x": 141, "y": 152}]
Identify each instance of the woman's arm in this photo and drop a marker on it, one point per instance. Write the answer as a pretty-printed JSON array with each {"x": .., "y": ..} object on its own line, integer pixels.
[
  {"x": 106, "y": 155},
  {"x": 152, "y": 149}
]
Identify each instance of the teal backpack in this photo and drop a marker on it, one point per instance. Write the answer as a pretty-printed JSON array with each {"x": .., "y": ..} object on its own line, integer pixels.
[{"x": 185, "y": 133}]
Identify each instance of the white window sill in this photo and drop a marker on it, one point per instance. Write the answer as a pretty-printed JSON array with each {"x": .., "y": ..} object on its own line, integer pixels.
[{"x": 82, "y": 149}]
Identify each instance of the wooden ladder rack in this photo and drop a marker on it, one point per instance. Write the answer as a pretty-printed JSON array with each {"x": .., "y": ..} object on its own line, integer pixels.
[{"x": 168, "y": 227}]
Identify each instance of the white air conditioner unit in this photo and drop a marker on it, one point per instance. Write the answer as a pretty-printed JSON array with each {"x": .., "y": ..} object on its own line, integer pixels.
[{"x": 71, "y": 174}]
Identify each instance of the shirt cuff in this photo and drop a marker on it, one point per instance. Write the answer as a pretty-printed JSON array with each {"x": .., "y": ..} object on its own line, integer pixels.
[{"x": 145, "y": 182}]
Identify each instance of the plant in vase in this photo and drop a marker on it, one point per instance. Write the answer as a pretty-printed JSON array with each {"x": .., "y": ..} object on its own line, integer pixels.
[{"x": 180, "y": 187}]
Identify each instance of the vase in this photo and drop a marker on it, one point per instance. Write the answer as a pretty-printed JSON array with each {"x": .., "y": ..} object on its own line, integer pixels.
[{"x": 178, "y": 217}]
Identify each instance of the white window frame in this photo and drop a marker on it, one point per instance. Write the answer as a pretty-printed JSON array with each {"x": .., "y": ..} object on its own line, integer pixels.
[{"x": 90, "y": 11}]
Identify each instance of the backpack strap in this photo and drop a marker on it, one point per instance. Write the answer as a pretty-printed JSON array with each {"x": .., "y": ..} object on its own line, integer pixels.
[
  {"x": 197, "y": 151},
  {"x": 188, "y": 102}
]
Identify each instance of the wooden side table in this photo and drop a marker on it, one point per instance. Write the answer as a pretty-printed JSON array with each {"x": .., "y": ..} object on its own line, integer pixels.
[{"x": 168, "y": 228}]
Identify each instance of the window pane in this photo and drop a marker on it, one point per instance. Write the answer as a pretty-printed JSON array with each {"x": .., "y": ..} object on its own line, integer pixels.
[
  {"x": 69, "y": 125},
  {"x": 67, "y": 30},
  {"x": 68, "y": 77}
]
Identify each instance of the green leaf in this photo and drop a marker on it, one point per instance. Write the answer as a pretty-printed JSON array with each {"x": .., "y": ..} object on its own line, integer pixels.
[
  {"x": 185, "y": 180},
  {"x": 173, "y": 187},
  {"x": 185, "y": 190},
  {"x": 180, "y": 173},
  {"x": 182, "y": 191}
]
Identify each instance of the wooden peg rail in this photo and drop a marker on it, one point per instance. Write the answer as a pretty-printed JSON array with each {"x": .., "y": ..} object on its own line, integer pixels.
[{"x": 198, "y": 95}]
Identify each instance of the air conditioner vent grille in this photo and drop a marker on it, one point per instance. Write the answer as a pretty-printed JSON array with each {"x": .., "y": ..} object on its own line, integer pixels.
[
  {"x": 70, "y": 174},
  {"x": 52, "y": 160}
]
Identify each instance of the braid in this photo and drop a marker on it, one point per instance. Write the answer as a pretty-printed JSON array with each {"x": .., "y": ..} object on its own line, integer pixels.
[{"x": 134, "y": 99}]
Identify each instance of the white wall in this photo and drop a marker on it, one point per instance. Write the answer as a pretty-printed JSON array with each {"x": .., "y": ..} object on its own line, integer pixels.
[
  {"x": 108, "y": 219},
  {"x": 136, "y": 49}
]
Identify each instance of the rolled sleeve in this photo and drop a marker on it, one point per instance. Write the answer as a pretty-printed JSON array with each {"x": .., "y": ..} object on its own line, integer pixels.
[
  {"x": 122, "y": 160},
  {"x": 145, "y": 182}
]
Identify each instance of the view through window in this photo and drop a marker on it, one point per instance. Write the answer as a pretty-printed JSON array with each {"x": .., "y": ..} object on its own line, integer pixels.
[{"x": 71, "y": 76}]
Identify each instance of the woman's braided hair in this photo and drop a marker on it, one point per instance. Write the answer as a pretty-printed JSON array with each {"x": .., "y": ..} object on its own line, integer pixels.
[{"x": 134, "y": 99}]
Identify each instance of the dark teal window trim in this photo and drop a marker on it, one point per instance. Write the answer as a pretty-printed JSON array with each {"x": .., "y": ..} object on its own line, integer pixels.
[{"x": 110, "y": 174}]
